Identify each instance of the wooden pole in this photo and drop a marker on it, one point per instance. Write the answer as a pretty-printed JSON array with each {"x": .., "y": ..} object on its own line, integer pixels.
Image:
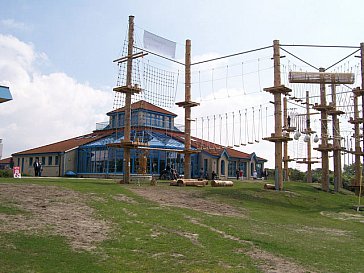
[
  {"x": 357, "y": 141},
  {"x": 187, "y": 162},
  {"x": 362, "y": 85},
  {"x": 127, "y": 120},
  {"x": 278, "y": 117},
  {"x": 308, "y": 128},
  {"x": 324, "y": 138},
  {"x": 336, "y": 142},
  {"x": 285, "y": 144}
]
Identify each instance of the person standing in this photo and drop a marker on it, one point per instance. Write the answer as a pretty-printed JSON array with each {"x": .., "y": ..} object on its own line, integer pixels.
[
  {"x": 237, "y": 174},
  {"x": 36, "y": 167},
  {"x": 201, "y": 174},
  {"x": 255, "y": 174},
  {"x": 213, "y": 175},
  {"x": 40, "y": 169}
]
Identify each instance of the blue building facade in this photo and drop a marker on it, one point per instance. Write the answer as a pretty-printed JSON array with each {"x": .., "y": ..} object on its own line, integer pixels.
[{"x": 163, "y": 145}]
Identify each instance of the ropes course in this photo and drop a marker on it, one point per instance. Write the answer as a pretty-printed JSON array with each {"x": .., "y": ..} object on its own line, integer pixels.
[{"x": 239, "y": 79}]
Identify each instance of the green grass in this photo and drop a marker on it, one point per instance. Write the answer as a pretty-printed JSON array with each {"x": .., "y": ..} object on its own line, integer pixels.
[{"x": 301, "y": 225}]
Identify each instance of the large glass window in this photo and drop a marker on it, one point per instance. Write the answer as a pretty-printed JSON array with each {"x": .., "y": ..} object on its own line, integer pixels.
[
  {"x": 242, "y": 167},
  {"x": 222, "y": 167},
  {"x": 232, "y": 168},
  {"x": 30, "y": 161},
  {"x": 50, "y": 160}
]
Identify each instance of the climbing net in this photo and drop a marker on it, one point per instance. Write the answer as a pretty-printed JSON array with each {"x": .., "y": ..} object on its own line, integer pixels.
[{"x": 158, "y": 85}]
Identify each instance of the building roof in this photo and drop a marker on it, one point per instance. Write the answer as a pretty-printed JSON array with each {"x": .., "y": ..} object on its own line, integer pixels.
[
  {"x": 5, "y": 160},
  {"x": 66, "y": 145},
  {"x": 142, "y": 104},
  {"x": 5, "y": 94},
  {"x": 212, "y": 148}
]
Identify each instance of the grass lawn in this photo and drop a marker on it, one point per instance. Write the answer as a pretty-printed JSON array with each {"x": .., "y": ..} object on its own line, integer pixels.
[{"x": 302, "y": 226}]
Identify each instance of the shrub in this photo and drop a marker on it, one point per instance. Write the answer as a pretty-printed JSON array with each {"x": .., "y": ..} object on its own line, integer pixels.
[{"x": 6, "y": 173}]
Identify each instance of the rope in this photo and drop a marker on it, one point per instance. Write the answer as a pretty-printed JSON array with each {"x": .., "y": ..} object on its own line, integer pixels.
[
  {"x": 299, "y": 58},
  {"x": 232, "y": 55},
  {"x": 342, "y": 59}
]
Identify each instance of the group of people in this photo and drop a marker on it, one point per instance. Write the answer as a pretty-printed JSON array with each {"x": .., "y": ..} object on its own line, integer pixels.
[
  {"x": 169, "y": 173},
  {"x": 38, "y": 168},
  {"x": 239, "y": 174}
]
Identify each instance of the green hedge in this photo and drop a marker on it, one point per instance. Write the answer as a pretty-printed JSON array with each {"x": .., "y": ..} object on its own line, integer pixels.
[{"x": 6, "y": 173}]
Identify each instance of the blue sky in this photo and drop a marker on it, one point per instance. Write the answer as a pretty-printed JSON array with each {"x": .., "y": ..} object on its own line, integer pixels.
[{"x": 75, "y": 42}]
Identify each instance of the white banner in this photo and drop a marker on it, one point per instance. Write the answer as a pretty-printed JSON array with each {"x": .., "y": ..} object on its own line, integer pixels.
[{"x": 159, "y": 44}]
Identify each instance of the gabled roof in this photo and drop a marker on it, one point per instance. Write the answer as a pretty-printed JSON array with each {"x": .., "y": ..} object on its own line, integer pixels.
[
  {"x": 142, "y": 104},
  {"x": 5, "y": 160},
  {"x": 66, "y": 145}
]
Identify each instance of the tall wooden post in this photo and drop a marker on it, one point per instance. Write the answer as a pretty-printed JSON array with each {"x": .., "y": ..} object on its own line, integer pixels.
[
  {"x": 362, "y": 88},
  {"x": 324, "y": 137},
  {"x": 277, "y": 137},
  {"x": 278, "y": 116},
  {"x": 308, "y": 130},
  {"x": 285, "y": 144},
  {"x": 337, "y": 138},
  {"x": 357, "y": 141},
  {"x": 187, "y": 162},
  {"x": 187, "y": 104},
  {"x": 129, "y": 89},
  {"x": 127, "y": 128}
]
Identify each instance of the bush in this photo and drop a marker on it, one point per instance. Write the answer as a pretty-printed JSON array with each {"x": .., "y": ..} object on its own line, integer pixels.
[
  {"x": 296, "y": 175},
  {"x": 6, "y": 173}
]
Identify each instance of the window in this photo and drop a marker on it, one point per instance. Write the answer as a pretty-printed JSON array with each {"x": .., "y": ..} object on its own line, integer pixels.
[
  {"x": 50, "y": 160},
  {"x": 43, "y": 160},
  {"x": 152, "y": 116},
  {"x": 232, "y": 168},
  {"x": 19, "y": 161},
  {"x": 222, "y": 167},
  {"x": 30, "y": 161},
  {"x": 134, "y": 119},
  {"x": 56, "y": 160},
  {"x": 169, "y": 122}
]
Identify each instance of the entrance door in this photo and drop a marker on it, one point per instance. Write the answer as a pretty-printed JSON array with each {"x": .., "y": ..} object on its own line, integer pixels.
[{"x": 205, "y": 166}]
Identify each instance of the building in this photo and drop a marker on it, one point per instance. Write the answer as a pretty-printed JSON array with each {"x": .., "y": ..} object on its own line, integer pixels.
[
  {"x": 6, "y": 163},
  {"x": 160, "y": 144},
  {"x": 5, "y": 94}
]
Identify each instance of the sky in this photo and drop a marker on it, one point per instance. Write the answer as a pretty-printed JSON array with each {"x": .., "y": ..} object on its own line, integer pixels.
[{"x": 56, "y": 57}]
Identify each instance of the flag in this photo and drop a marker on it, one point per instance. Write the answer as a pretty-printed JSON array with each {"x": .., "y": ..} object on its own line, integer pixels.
[{"x": 159, "y": 44}]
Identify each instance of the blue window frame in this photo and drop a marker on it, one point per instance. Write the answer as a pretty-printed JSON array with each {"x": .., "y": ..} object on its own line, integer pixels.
[{"x": 222, "y": 167}]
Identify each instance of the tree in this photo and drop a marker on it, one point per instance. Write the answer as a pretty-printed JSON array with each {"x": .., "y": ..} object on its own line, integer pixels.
[{"x": 348, "y": 174}]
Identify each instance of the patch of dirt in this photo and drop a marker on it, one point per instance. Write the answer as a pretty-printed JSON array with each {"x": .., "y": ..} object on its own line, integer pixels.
[
  {"x": 266, "y": 262},
  {"x": 53, "y": 210},
  {"x": 178, "y": 197},
  {"x": 123, "y": 198},
  {"x": 354, "y": 217},
  {"x": 328, "y": 231},
  {"x": 270, "y": 263}
]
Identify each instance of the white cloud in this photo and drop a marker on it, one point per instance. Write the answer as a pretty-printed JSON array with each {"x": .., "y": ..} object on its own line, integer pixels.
[
  {"x": 45, "y": 108},
  {"x": 12, "y": 24}
]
